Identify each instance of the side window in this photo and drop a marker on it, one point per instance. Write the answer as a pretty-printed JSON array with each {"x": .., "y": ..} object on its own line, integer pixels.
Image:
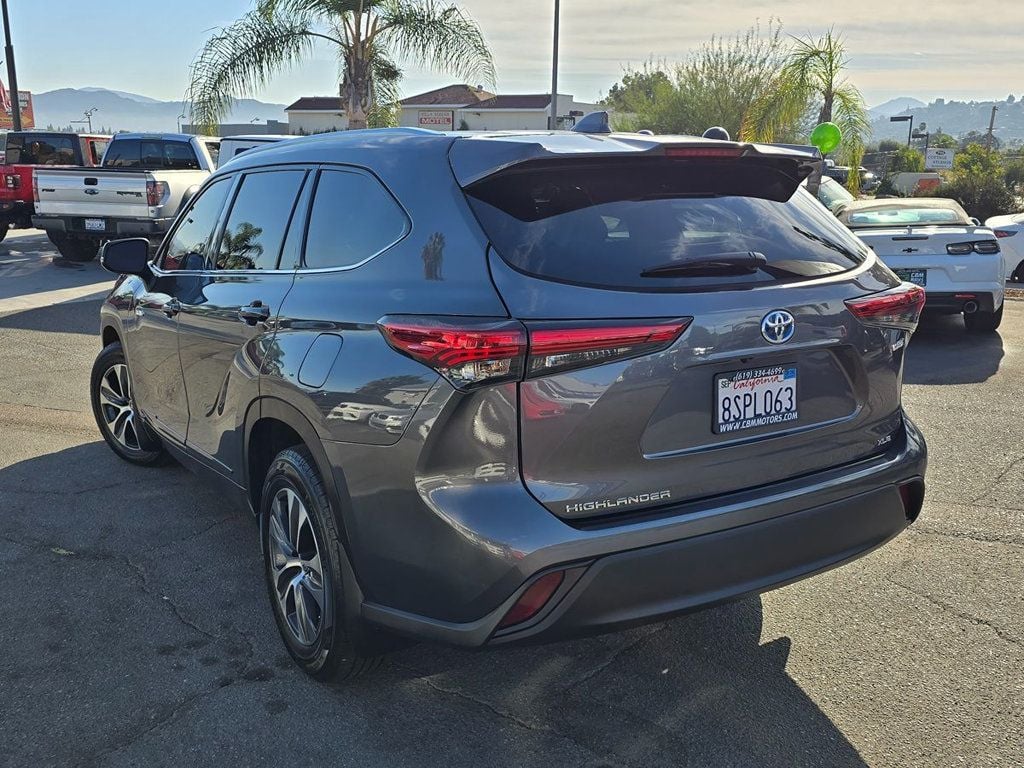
[
  {"x": 188, "y": 247},
  {"x": 179, "y": 156},
  {"x": 352, "y": 218},
  {"x": 96, "y": 149},
  {"x": 213, "y": 147},
  {"x": 259, "y": 219},
  {"x": 123, "y": 153}
]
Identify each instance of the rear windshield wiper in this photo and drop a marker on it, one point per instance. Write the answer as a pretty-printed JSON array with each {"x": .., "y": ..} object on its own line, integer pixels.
[{"x": 719, "y": 265}]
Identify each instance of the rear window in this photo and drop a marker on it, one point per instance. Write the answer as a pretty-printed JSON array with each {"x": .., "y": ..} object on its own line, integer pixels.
[
  {"x": 606, "y": 224},
  {"x": 831, "y": 193},
  {"x": 151, "y": 155},
  {"x": 901, "y": 216},
  {"x": 41, "y": 149}
]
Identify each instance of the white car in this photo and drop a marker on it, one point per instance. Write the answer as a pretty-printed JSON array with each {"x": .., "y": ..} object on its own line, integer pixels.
[
  {"x": 232, "y": 146},
  {"x": 1008, "y": 231},
  {"x": 832, "y": 194},
  {"x": 934, "y": 243}
]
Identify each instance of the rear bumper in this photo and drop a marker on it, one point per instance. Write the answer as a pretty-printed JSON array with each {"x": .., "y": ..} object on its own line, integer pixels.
[
  {"x": 698, "y": 555},
  {"x": 950, "y": 303},
  {"x": 75, "y": 225}
]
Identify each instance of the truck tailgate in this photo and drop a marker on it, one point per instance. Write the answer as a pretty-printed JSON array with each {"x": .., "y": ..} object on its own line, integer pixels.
[{"x": 92, "y": 192}]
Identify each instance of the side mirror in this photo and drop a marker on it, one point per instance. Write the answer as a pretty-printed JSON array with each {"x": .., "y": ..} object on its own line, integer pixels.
[{"x": 126, "y": 257}]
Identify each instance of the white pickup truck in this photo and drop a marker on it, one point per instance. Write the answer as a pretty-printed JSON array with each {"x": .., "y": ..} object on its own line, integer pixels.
[{"x": 142, "y": 183}]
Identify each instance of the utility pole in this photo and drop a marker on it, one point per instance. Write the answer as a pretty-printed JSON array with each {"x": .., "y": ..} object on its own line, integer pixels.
[
  {"x": 991, "y": 126},
  {"x": 553, "y": 117},
  {"x": 12, "y": 75}
]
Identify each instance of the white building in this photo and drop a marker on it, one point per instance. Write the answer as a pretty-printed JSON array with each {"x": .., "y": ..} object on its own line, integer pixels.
[{"x": 454, "y": 107}]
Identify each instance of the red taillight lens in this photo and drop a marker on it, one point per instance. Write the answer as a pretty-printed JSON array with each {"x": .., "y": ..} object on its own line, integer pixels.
[
  {"x": 684, "y": 152},
  {"x": 486, "y": 351},
  {"x": 156, "y": 192},
  {"x": 898, "y": 307},
  {"x": 12, "y": 181},
  {"x": 558, "y": 347},
  {"x": 1001, "y": 233},
  {"x": 465, "y": 353},
  {"x": 35, "y": 188},
  {"x": 533, "y": 599},
  {"x": 912, "y": 496}
]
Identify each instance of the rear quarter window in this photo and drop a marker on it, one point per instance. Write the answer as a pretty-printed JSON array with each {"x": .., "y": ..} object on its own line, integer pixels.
[{"x": 604, "y": 225}]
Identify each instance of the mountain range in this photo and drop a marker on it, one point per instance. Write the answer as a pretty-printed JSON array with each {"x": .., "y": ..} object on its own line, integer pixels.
[
  {"x": 123, "y": 111},
  {"x": 957, "y": 118}
]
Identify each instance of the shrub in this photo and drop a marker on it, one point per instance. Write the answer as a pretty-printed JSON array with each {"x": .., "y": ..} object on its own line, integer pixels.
[
  {"x": 978, "y": 183},
  {"x": 906, "y": 159}
]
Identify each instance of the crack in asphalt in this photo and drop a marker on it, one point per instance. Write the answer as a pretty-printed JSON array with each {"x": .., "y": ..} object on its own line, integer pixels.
[
  {"x": 978, "y": 537},
  {"x": 65, "y": 492},
  {"x": 999, "y": 478},
  {"x": 1001, "y": 633},
  {"x": 598, "y": 669}
]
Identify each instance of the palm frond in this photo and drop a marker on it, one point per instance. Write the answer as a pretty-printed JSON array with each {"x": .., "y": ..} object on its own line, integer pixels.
[
  {"x": 436, "y": 35},
  {"x": 241, "y": 59},
  {"x": 777, "y": 111}
]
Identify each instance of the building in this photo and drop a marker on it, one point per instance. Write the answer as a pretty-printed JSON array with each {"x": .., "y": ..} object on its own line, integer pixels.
[
  {"x": 270, "y": 127},
  {"x": 456, "y": 107}
]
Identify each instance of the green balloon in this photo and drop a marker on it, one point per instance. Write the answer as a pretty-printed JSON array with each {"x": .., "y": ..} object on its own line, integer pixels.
[{"x": 826, "y": 137}]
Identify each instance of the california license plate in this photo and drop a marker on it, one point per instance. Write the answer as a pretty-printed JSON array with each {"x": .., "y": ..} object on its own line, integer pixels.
[
  {"x": 916, "y": 276},
  {"x": 96, "y": 225},
  {"x": 756, "y": 397}
]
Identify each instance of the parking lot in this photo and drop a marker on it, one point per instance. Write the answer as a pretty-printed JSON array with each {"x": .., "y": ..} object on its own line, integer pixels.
[{"x": 137, "y": 629}]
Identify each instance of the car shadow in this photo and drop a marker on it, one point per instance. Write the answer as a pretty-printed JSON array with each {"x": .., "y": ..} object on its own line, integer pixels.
[
  {"x": 701, "y": 689},
  {"x": 78, "y": 316},
  {"x": 942, "y": 352}
]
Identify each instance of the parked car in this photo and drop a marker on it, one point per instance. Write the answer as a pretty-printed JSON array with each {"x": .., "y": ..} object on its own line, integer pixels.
[
  {"x": 1007, "y": 230},
  {"x": 832, "y": 194},
  {"x": 841, "y": 174},
  {"x": 143, "y": 182},
  {"x": 932, "y": 242},
  {"x": 26, "y": 150},
  {"x": 236, "y": 145},
  {"x": 713, "y": 363}
]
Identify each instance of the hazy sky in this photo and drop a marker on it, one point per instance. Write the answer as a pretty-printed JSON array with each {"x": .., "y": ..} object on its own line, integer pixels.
[{"x": 924, "y": 49}]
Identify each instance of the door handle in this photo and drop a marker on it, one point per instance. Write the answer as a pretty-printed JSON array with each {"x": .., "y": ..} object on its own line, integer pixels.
[
  {"x": 254, "y": 313},
  {"x": 171, "y": 307}
]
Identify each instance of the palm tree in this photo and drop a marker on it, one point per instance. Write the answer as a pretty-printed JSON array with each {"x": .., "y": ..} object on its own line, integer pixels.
[
  {"x": 813, "y": 77},
  {"x": 369, "y": 36}
]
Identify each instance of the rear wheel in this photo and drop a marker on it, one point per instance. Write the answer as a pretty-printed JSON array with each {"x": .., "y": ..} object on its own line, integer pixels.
[
  {"x": 74, "y": 249},
  {"x": 5, "y": 227},
  {"x": 302, "y": 558},
  {"x": 984, "y": 322},
  {"x": 113, "y": 405},
  {"x": 1018, "y": 273}
]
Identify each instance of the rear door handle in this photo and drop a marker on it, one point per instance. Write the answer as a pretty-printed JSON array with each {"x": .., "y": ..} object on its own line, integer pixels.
[
  {"x": 171, "y": 307},
  {"x": 254, "y": 313}
]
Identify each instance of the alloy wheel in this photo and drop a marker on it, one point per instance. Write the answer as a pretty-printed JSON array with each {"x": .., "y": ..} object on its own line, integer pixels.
[
  {"x": 295, "y": 567},
  {"x": 117, "y": 408}
]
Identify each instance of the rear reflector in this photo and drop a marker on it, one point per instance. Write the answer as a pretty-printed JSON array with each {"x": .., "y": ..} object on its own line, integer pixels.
[
  {"x": 693, "y": 152},
  {"x": 473, "y": 351},
  {"x": 533, "y": 599},
  {"x": 898, "y": 307},
  {"x": 912, "y": 496},
  {"x": 1001, "y": 233}
]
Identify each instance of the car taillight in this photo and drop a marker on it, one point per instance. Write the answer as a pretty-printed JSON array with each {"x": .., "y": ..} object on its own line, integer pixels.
[
  {"x": 35, "y": 188},
  {"x": 898, "y": 307},
  {"x": 1001, "y": 233},
  {"x": 486, "y": 351},
  {"x": 156, "y": 192},
  {"x": 12, "y": 181},
  {"x": 980, "y": 246}
]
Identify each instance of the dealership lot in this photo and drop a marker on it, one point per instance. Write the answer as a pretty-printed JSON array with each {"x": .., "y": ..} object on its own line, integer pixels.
[{"x": 137, "y": 630}]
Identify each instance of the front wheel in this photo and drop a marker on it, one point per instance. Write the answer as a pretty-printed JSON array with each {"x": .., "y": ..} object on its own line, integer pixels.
[
  {"x": 984, "y": 322},
  {"x": 302, "y": 558},
  {"x": 113, "y": 405},
  {"x": 74, "y": 249}
]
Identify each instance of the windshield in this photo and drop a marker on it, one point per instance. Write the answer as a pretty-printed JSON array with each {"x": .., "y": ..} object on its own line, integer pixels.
[{"x": 628, "y": 228}]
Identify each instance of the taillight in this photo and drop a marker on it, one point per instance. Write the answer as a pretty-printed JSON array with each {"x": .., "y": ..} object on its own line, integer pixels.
[
  {"x": 1001, "y": 233},
  {"x": 156, "y": 192},
  {"x": 12, "y": 181},
  {"x": 35, "y": 188},
  {"x": 898, "y": 307},
  {"x": 980, "y": 246},
  {"x": 487, "y": 351},
  {"x": 557, "y": 347}
]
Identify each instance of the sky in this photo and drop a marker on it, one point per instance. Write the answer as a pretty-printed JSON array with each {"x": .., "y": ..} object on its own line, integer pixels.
[{"x": 943, "y": 48}]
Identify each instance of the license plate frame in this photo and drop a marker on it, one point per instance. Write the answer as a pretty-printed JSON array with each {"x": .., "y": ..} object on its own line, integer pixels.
[
  {"x": 95, "y": 225},
  {"x": 778, "y": 409},
  {"x": 915, "y": 275}
]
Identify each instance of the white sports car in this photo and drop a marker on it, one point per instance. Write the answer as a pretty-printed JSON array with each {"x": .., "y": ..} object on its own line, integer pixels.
[
  {"x": 934, "y": 243},
  {"x": 1007, "y": 230}
]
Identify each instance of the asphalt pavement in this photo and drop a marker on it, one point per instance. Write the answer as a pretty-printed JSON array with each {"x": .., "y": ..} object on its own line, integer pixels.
[{"x": 136, "y": 629}]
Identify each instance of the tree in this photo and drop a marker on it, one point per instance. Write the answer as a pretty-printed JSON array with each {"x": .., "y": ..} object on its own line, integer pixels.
[
  {"x": 812, "y": 77},
  {"x": 889, "y": 145},
  {"x": 369, "y": 37},
  {"x": 978, "y": 183},
  {"x": 942, "y": 140},
  {"x": 906, "y": 160}
]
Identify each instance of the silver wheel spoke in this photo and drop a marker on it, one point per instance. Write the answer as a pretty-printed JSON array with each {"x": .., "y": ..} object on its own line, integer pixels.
[
  {"x": 115, "y": 400},
  {"x": 295, "y": 566}
]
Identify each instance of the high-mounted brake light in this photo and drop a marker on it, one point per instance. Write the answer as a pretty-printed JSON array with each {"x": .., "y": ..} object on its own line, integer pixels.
[
  {"x": 693, "y": 152},
  {"x": 898, "y": 307},
  {"x": 474, "y": 351},
  {"x": 1001, "y": 233}
]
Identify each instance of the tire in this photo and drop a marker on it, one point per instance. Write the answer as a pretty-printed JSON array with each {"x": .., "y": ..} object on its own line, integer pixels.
[
  {"x": 984, "y": 322},
  {"x": 1018, "y": 273},
  {"x": 74, "y": 249},
  {"x": 315, "y": 630},
  {"x": 113, "y": 405},
  {"x": 5, "y": 227}
]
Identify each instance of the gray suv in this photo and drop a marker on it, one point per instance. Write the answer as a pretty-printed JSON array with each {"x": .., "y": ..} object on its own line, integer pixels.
[{"x": 485, "y": 389}]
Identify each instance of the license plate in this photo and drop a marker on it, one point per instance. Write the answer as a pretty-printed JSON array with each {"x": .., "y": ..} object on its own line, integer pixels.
[
  {"x": 756, "y": 397},
  {"x": 96, "y": 225},
  {"x": 916, "y": 276}
]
